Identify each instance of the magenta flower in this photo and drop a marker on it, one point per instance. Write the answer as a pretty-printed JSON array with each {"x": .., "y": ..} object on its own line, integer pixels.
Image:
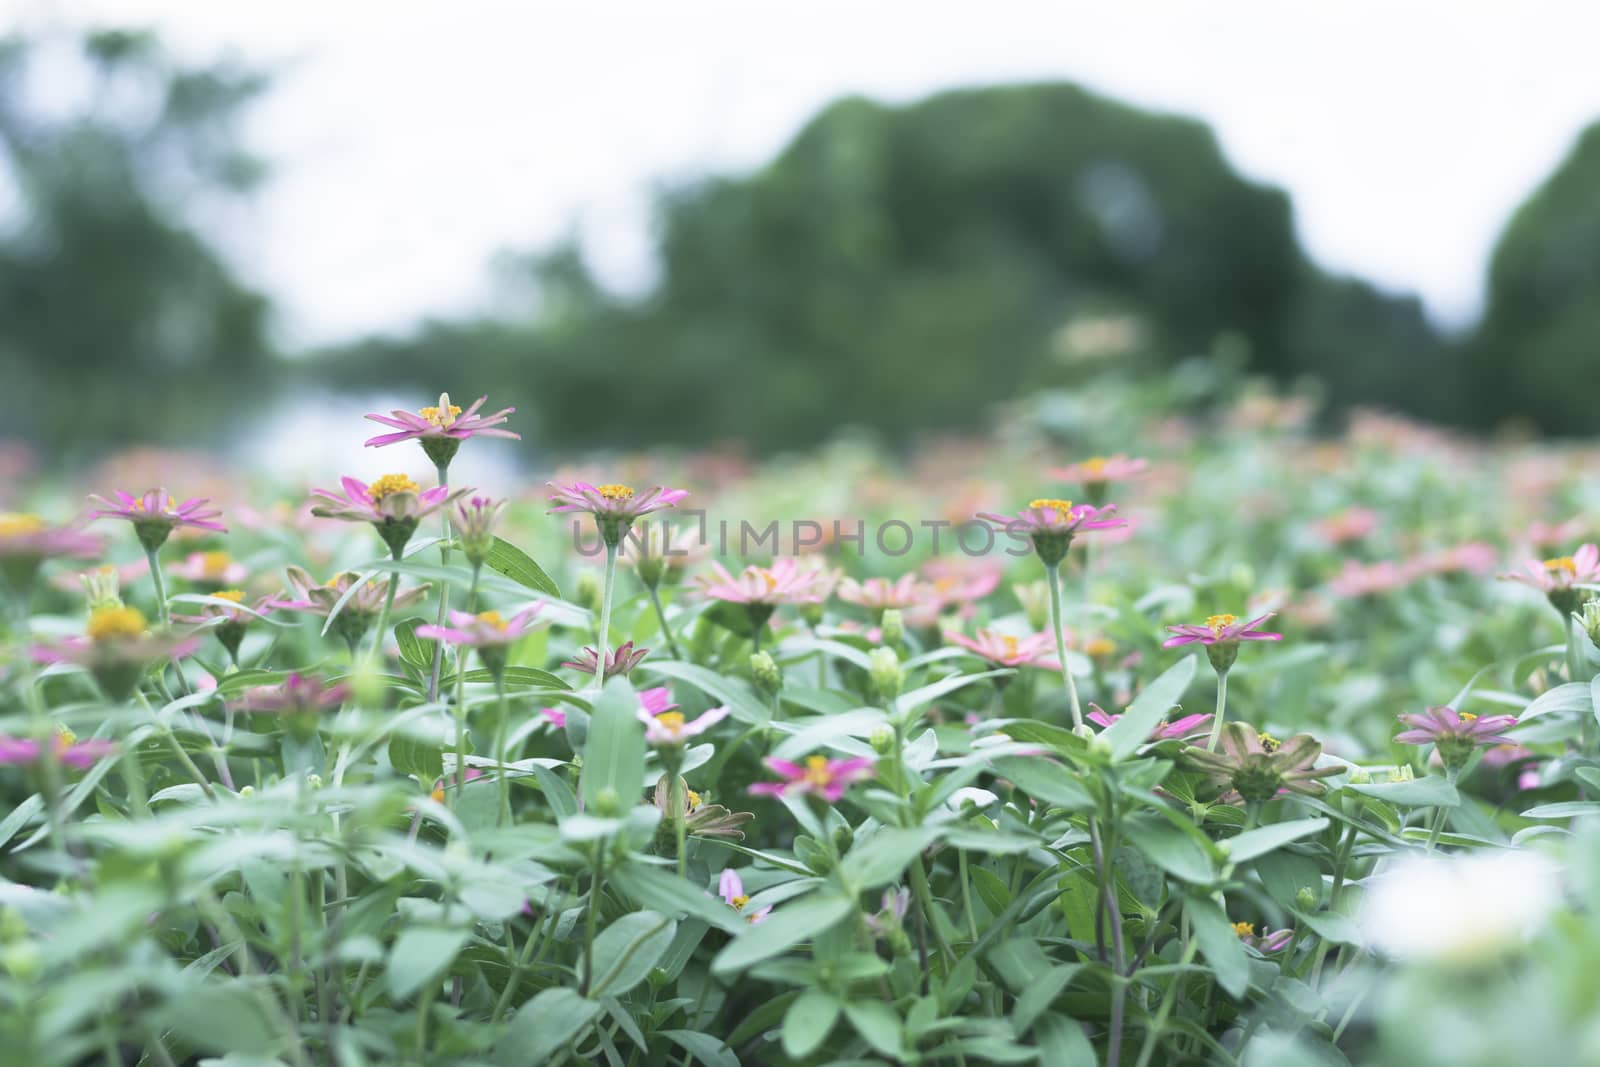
[
  {"x": 29, "y": 538},
  {"x": 1221, "y": 634},
  {"x": 656, "y": 700},
  {"x": 891, "y": 915},
  {"x": 156, "y": 514},
  {"x": 621, "y": 661},
  {"x": 117, "y": 650},
  {"x": 1266, "y": 942},
  {"x": 1051, "y": 524},
  {"x": 819, "y": 777},
  {"x": 556, "y": 717},
  {"x": 670, "y": 728},
  {"x": 1096, "y": 473},
  {"x": 485, "y": 628},
  {"x": 1558, "y": 578},
  {"x": 25, "y": 751},
  {"x": 1177, "y": 730},
  {"x": 474, "y": 521},
  {"x": 299, "y": 693},
  {"x": 1456, "y": 734},
  {"x": 1370, "y": 579},
  {"x": 959, "y": 582},
  {"x": 393, "y": 504},
  {"x": 210, "y": 568},
  {"x": 441, "y": 429},
  {"x": 731, "y": 889},
  {"x": 614, "y": 507},
  {"x": 1004, "y": 650}
]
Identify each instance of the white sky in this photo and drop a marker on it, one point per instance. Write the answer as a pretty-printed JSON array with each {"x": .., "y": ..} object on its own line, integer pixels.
[{"x": 412, "y": 140}]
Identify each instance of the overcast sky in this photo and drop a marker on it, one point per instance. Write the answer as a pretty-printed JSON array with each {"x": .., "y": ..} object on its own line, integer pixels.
[{"x": 412, "y": 139}]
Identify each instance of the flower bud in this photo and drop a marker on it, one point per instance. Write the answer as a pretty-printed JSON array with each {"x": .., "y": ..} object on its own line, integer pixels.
[
  {"x": 893, "y": 627},
  {"x": 608, "y": 804},
  {"x": 474, "y": 525},
  {"x": 1035, "y": 600},
  {"x": 811, "y": 612},
  {"x": 764, "y": 669},
  {"x": 313, "y": 781},
  {"x": 1305, "y": 898},
  {"x": 885, "y": 673},
  {"x": 1591, "y": 621},
  {"x": 882, "y": 740},
  {"x": 101, "y": 587}
]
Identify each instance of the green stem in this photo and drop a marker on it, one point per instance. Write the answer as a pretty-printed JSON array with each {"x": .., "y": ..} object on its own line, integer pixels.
[
  {"x": 444, "y": 587},
  {"x": 666, "y": 630},
  {"x": 461, "y": 703},
  {"x": 1221, "y": 712},
  {"x": 604, "y": 635},
  {"x": 1153, "y": 1032},
  {"x": 1436, "y": 826},
  {"x": 1053, "y": 574},
  {"x": 595, "y": 885},
  {"x": 162, "y": 614},
  {"x": 383, "y": 613},
  {"x": 503, "y": 717},
  {"x": 680, "y": 819}
]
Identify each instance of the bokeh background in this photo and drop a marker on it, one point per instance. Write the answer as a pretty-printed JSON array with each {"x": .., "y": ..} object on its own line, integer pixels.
[{"x": 752, "y": 229}]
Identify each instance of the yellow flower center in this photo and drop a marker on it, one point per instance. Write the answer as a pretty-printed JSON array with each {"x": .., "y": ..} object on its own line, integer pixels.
[
  {"x": 613, "y": 491},
  {"x": 1063, "y": 508},
  {"x": 1466, "y": 716},
  {"x": 694, "y": 799},
  {"x": 670, "y": 721},
  {"x": 390, "y": 484},
  {"x": 493, "y": 618},
  {"x": 1100, "y": 646},
  {"x": 65, "y": 739},
  {"x": 116, "y": 622},
  {"x": 1219, "y": 623},
  {"x": 437, "y": 794},
  {"x": 740, "y": 901},
  {"x": 1094, "y": 467},
  {"x": 235, "y": 595},
  {"x": 1009, "y": 643},
  {"x": 1562, "y": 563},
  {"x": 171, "y": 505},
  {"x": 1243, "y": 929},
  {"x": 20, "y": 525},
  {"x": 443, "y": 416},
  {"x": 214, "y": 562},
  {"x": 1268, "y": 742},
  {"x": 817, "y": 772}
]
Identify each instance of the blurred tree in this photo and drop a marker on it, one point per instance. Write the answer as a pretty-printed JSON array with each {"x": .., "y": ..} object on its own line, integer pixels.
[
  {"x": 116, "y": 319},
  {"x": 1536, "y": 353}
]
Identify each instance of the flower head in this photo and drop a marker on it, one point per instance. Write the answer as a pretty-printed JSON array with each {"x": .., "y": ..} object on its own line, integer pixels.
[
  {"x": 229, "y": 619},
  {"x": 1005, "y": 650},
  {"x": 156, "y": 514},
  {"x": 393, "y": 504},
  {"x": 64, "y": 747},
  {"x": 1176, "y": 730},
  {"x": 819, "y": 776},
  {"x": 116, "y": 649},
  {"x": 488, "y": 631},
  {"x": 1456, "y": 734},
  {"x": 615, "y": 507},
  {"x": 785, "y": 582},
  {"x": 1265, "y": 942},
  {"x": 440, "y": 429},
  {"x": 474, "y": 521},
  {"x": 672, "y": 729},
  {"x": 880, "y": 594},
  {"x": 1221, "y": 635},
  {"x": 623, "y": 659},
  {"x": 1096, "y": 473},
  {"x": 699, "y": 818},
  {"x": 658, "y": 551},
  {"x": 298, "y": 702},
  {"x": 210, "y": 568},
  {"x": 731, "y": 888},
  {"x": 312, "y": 598},
  {"x": 31, "y": 538},
  {"x": 1558, "y": 578},
  {"x": 1052, "y": 523},
  {"x": 1255, "y": 767}
]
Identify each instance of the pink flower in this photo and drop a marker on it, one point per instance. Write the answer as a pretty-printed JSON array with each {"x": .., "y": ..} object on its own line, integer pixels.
[
  {"x": 1177, "y": 730},
  {"x": 212, "y": 568},
  {"x": 819, "y": 776},
  {"x": 391, "y": 498},
  {"x": 447, "y": 420},
  {"x": 1051, "y": 517},
  {"x": 156, "y": 514},
  {"x": 621, "y": 661},
  {"x": 1351, "y": 524},
  {"x": 1556, "y": 577},
  {"x": 1548, "y": 535},
  {"x": 613, "y": 503},
  {"x": 1099, "y": 470},
  {"x": 312, "y": 598},
  {"x": 1372, "y": 579},
  {"x": 670, "y": 729},
  {"x": 785, "y": 582},
  {"x": 299, "y": 693},
  {"x": 28, "y": 537},
  {"x": 487, "y": 628},
  {"x": 20, "y": 751},
  {"x": 1004, "y": 650},
  {"x": 731, "y": 888},
  {"x": 1455, "y": 734},
  {"x": 118, "y": 648},
  {"x": 880, "y": 594},
  {"x": 959, "y": 582},
  {"x": 556, "y": 717},
  {"x": 656, "y": 700},
  {"x": 1220, "y": 629}
]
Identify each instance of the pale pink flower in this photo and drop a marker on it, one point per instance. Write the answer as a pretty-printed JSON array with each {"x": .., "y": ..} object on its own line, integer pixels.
[
  {"x": 446, "y": 420},
  {"x": 1005, "y": 650},
  {"x": 731, "y": 889},
  {"x": 819, "y": 776},
  {"x": 671, "y": 729},
  {"x": 785, "y": 582},
  {"x": 880, "y": 594},
  {"x": 1351, "y": 524}
]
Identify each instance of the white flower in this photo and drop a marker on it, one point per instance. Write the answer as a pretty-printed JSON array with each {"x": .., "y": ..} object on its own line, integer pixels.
[{"x": 1459, "y": 909}]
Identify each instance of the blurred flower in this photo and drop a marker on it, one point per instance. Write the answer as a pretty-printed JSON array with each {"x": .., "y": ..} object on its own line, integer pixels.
[
  {"x": 671, "y": 729},
  {"x": 656, "y": 700},
  {"x": 210, "y": 568},
  {"x": 102, "y": 588},
  {"x": 1455, "y": 734},
  {"x": 1177, "y": 730},
  {"x": 621, "y": 661},
  {"x": 731, "y": 888},
  {"x": 819, "y": 777},
  {"x": 156, "y": 514},
  {"x": 1255, "y": 767},
  {"x": 1548, "y": 535},
  {"x": 1473, "y": 557},
  {"x": 614, "y": 507},
  {"x": 21, "y": 751},
  {"x": 760, "y": 590},
  {"x": 228, "y": 621},
  {"x": 1004, "y": 650},
  {"x": 1097, "y": 473},
  {"x": 437, "y": 793},
  {"x": 701, "y": 819},
  {"x": 1558, "y": 578},
  {"x": 488, "y": 632},
  {"x": 27, "y": 540},
  {"x": 298, "y": 694},
  {"x": 1051, "y": 524},
  {"x": 892, "y": 912},
  {"x": 955, "y": 583},
  {"x": 1265, "y": 942},
  {"x": 880, "y": 594},
  {"x": 358, "y": 612},
  {"x": 1372, "y": 579},
  {"x": 393, "y": 504},
  {"x": 658, "y": 551},
  {"x": 556, "y": 717},
  {"x": 1461, "y": 909},
  {"x": 473, "y": 521},
  {"x": 441, "y": 429},
  {"x": 1035, "y": 600},
  {"x": 1351, "y": 524},
  {"x": 1221, "y": 635},
  {"x": 117, "y": 650}
]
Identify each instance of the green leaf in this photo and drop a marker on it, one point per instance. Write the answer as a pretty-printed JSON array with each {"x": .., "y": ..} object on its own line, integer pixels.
[
  {"x": 1172, "y": 850},
  {"x": 1062, "y": 1042},
  {"x": 613, "y": 759},
  {"x": 807, "y": 1023},
  {"x": 1570, "y": 696},
  {"x": 1037, "y": 998},
  {"x": 786, "y": 927},
  {"x": 878, "y": 859},
  {"x": 915, "y": 699},
  {"x": 703, "y": 1047},
  {"x": 1044, "y": 780},
  {"x": 627, "y": 949},
  {"x": 420, "y": 955},
  {"x": 520, "y": 677},
  {"x": 509, "y": 560},
  {"x": 1434, "y": 791},
  {"x": 222, "y": 1018},
  {"x": 878, "y": 1025},
  {"x": 656, "y": 887},
  {"x": 416, "y": 651},
  {"x": 1563, "y": 810},
  {"x": 409, "y": 755},
  {"x": 547, "y": 1023},
  {"x": 741, "y": 701},
  {"x": 1222, "y": 947},
  {"x": 1264, "y": 839},
  {"x": 1149, "y": 708}
]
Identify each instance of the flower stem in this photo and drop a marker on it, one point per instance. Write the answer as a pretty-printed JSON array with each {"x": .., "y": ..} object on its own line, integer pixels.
[
  {"x": 162, "y": 614},
  {"x": 502, "y": 719},
  {"x": 1222, "y": 710},
  {"x": 666, "y": 631},
  {"x": 605, "y": 617},
  {"x": 1053, "y": 574},
  {"x": 680, "y": 819},
  {"x": 593, "y": 914},
  {"x": 388, "y": 606},
  {"x": 444, "y": 587},
  {"x": 461, "y": 702}
]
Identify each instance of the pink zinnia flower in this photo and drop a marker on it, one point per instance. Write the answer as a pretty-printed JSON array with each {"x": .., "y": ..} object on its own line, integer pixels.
[
  {"x": 785, "y": 582},
  {"x": 1004, "y": 650},
  {"x": 953, "y": 583},
  {"x": 1558, "y": 578},
  {"x": 393, "y": 504},
  {"x": 1051, "y": 524},
  {"x": 614, "y": 507},
  {"x": 1548, "y": 535},
  {"x": 20, "y": 751},
  {"x": 731, "y": 888},
  {"x": 30, "y": 538},
  {"x": 1218, "y": 629},
  {"x": 671, "y": 729},
  {"x": 656, "y": 700},
  {"x": 1372, "y": 579},
  {"x": 117, "y": 649},
  {"x": 1351, "y": 524},
  {"x": 1097, "y": 472},
  {"x": 487, "y": 628},
  {"x": 1177, "y": 730},
  {"x": 819, "y": 777},
  {"x": 156, "y": 514},
  {"x": 299, "y": 693},
  {"x": 1265, "y": 942},
  {"x": 445, "y": 422},
  {"x": 211, "y": 568},
  {"x": 1456, "y": 734},
  {"x": 621, "y": 661},
  {"x": 880, "y": 594}
]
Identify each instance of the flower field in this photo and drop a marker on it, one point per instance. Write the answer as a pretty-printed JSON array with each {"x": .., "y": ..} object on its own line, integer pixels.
[{"x": 1242, "y": 745}]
